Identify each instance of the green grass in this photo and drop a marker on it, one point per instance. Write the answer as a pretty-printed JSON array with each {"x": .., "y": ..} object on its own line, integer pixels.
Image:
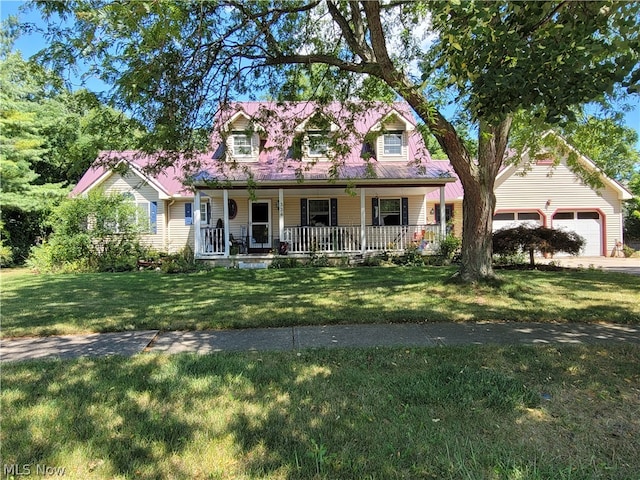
[
  {"x": 455, "y": 412},
  {"x": 58, "y": 304}
]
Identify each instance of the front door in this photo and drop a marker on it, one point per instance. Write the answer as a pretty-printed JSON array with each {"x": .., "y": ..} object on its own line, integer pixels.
[{"x": 260, "y": 224}]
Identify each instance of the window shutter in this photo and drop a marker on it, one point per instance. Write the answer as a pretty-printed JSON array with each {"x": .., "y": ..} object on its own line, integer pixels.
[
  {"x": 405, "y": 211},
  {"x": 303, "y": 212},
  {"x": 153, "y": 216},
  {"x": 188, "y": 214},
  {"x": 375, "y": 211},
  {"x": 208, "y": 213},
  {"x": 334, "y": 212}
]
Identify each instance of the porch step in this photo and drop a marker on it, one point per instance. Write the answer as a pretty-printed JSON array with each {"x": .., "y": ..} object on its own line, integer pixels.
[{"x": 252, "y": 265}]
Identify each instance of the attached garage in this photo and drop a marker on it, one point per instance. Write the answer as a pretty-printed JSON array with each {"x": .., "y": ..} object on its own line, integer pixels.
[
  {"x": 515, "y": 219},
  {"x": 587, "y": 224}
]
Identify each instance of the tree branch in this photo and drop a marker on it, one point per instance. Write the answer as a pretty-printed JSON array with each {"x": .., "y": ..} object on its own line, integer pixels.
[
  {"x": 370, "y": 68},
  {"x": 359, "y": 47}
]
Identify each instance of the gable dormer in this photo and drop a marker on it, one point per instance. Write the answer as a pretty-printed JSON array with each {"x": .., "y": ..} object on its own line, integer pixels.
[
  {"x": 391, "y": 135},
  {"x": 242, "y": 136},
  {"x": 314, "y": 136}
]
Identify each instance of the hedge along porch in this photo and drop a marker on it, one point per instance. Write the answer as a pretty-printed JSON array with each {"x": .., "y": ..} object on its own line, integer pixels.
[{"x": 320, "y": 218}]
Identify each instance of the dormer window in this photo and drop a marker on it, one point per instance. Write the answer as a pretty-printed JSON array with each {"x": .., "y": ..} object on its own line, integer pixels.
[
  {"x": 318, "y": 145},
  {"x": 241, "y": 144},
  {"x": 392, "y": 143}
]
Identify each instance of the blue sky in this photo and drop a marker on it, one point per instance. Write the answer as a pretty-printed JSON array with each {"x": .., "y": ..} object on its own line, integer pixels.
[{"x": 31, "y": 44}]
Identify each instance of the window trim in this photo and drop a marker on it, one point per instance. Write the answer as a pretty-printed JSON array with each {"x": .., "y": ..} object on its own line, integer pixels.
[
  {"x": 142, "y": 214},
  {"x": 309, "y": 200},
  {"x": 206, "y": 220},
  {"x": 389, "y": 135},
  {"x": 380, "y": 213},
  {"x": 249, "y": 146},
  {"x": 323, "y": 141}
]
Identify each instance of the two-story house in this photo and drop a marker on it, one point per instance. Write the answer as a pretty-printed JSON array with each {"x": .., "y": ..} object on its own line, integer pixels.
[
  {"x": 296, "y": 178},
  {"x": 339, "y": 179}
]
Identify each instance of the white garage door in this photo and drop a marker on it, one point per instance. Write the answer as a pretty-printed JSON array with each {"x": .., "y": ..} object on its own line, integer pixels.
[
  {"x": 514, "y": 219},
  {"x": 586, "y": 224}
]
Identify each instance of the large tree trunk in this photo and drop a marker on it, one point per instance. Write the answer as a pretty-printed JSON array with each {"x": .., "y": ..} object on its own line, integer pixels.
[
  {"x": 478, "y": 181},
  {"x": 479, "y": 201},
  {"x": 478, "y": 205},
  {"x": 477, "y": 175}
]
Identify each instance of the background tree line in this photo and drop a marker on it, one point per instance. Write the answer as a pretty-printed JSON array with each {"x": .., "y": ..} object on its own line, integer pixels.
[
  {"x": 49, "y": 136},
  {"x": 512, "y": 69}
]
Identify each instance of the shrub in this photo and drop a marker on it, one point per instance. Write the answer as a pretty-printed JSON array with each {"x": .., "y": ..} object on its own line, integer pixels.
[
  {"x": 412, "y": 256},
  {"x": 316, "y": 260},
  {"x": 284, "y": 262},
  {"x": 509, "y": 241},
  {"x": 6, "y": 256},
  {"x": 517, "y": 258},
  {"x": 181, "y": 262},
  {"x": 628, "y": 251},
  {"x": 372, "y": 261},
  {"x": 94, "y": 233},
  {"x": 448, "y": 247}
]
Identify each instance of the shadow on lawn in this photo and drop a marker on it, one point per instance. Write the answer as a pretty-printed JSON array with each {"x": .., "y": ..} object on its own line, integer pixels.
[
  {"x": 339, "y": 414},
  {"x": 287, "y": 416},
  {"x": 54, "y": 304}
]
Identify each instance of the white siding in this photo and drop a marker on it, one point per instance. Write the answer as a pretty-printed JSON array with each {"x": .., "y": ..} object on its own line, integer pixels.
[
  {"x": 142, "y": 192},
  {"x": 549, "y": 189},
  {"x": 179, "y": 235}
]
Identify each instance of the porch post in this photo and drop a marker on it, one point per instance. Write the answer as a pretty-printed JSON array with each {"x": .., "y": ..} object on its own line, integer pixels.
[
  {"x": 443, "y": 219},
  {"x": 280, "y": 215},
  {"x": 225, "y": 216},
  {"x": 197, "y": 239},
  {"x": 363, "y": 221}
]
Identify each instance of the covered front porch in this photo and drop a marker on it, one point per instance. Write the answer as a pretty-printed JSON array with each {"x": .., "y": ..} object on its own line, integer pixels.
[{"x": 327, "y": 220}]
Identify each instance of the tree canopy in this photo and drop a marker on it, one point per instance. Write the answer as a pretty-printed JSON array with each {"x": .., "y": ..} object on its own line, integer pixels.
[
  {"x": 173, "y": 65},
  {"x": 49, "y": 136}
]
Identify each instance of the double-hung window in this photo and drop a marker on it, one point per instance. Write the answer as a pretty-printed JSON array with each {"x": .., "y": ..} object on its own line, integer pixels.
[
  {"x": 318, "y": 145},
  {"x": 241, "y": 144},
  {"x": 205, "y": 212},
  {"x": 319, "y": 213},
  {"x": 392, "y": 143},
  {"x": 390, "y": 211},
  {"x": 139, "y": 215}
]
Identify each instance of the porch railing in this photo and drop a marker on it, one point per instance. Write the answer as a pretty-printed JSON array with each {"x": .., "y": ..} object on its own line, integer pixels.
[
  {"x": 212, "y": 240},
  {"x": 394, "y": 238},
  {"x": 322, "y": 239},
  {"x": 347, "y": 239}
]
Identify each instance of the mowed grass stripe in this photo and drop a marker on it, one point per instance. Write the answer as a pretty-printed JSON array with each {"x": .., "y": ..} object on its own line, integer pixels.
[{"x": 220, "y": 298}]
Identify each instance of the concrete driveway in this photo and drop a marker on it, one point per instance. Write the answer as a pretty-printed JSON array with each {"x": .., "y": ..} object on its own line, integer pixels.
[{"x": 624, "y": 265}]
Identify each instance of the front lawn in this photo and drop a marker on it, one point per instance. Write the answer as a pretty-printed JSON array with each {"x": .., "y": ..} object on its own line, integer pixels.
[
  {"x": 448, "y": 413},
  {"x": 61, "y": 304}
]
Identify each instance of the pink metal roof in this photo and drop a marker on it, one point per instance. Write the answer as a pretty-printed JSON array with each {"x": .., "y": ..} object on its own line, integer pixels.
[
  {"x": 453, "y": 190},
  {"x": 168, "y": 181},
  {"x": 275, "y": 163}
]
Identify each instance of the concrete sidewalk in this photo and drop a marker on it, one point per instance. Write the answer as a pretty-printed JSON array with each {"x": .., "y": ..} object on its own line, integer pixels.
[{"x": 298, "y": 338}]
